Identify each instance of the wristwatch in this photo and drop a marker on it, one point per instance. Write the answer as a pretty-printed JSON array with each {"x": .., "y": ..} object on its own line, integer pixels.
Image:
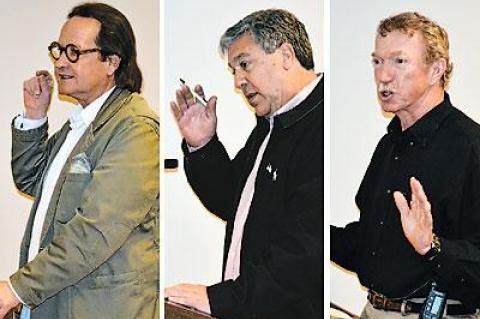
[{"x": 435, "y": 248}]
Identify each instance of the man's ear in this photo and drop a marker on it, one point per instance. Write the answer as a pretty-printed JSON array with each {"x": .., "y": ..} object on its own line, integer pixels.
[
  {"x": 113, "y": 62},
  {"x": 438, "y": 68},
  {"x": 288, "y": 55}
]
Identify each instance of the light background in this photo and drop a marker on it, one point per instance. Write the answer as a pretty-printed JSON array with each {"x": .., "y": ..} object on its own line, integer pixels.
[
  {"x": 193, "y": 237},
  {"x": 28, "y": 27},
  {"x": 192, "y": 30},
  {"x": 357, "y": 123}
]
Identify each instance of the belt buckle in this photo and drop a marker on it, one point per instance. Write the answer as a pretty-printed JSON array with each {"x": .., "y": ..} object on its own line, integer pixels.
[{"x": 405, "y": 308}]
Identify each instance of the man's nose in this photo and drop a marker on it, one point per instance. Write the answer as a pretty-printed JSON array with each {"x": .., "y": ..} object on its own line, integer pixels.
[
  {"x": 239, "y": 79},
  {"x": 384, "y": 73},
  {"x": 62, "y": 61}
]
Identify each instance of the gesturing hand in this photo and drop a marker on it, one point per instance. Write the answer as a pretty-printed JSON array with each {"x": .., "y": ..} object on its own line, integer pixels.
[
  {"x": 37, "y": 93},
  {"x": 416, "y": 219},
  {"x": 197, "y": 123}
]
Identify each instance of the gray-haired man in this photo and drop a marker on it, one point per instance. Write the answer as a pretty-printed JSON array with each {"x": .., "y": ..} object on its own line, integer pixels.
[{"x": 271, "y": 193}]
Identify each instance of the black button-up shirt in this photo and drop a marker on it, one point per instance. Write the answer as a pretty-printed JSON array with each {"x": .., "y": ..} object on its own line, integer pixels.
[{"x": 442, "y": 150}]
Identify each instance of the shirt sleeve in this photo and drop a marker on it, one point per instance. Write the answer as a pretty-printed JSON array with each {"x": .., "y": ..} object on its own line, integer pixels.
[
  {"x": 343, "y": 245},
  {"x": 22, "y": 123},
  {"x": 457, "y": 267}
]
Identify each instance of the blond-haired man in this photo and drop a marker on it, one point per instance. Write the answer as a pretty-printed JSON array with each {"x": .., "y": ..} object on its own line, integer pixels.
[{"x": 402, "y": 250}]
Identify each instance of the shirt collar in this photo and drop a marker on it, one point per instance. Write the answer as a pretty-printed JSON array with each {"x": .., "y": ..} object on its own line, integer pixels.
[
  {"x": 82, "y": 117},
  {"x": 424, "y": 129},
  {"x": 309, "y": 98},
  {"x": 299, "y": 97}
]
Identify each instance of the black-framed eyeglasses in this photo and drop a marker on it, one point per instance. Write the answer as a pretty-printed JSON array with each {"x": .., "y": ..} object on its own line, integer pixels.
[{"x": 71, "y": 51}]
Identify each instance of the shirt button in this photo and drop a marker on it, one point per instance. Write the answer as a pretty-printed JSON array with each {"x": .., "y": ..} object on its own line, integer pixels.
[
  {"x": 381, "y": 223},
  {"x": 438, "y": 266},
  {"x": 411, "y": 143},
  {"x": 388, "y": 191},
  {"x": 462, "y": 280},
  {"x": 396, "y": 157},
  {"x": 374, "y": 253}
]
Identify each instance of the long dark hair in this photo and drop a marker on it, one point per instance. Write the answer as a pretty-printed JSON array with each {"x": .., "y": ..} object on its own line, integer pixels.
[{"x": 115, "y": 37}]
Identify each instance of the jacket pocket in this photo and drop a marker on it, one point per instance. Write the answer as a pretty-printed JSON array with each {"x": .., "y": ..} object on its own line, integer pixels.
[
  {"x": 114, "y": 296},
  {"x": 70, "y": 196},
  {"x": 105, "y": 281}
]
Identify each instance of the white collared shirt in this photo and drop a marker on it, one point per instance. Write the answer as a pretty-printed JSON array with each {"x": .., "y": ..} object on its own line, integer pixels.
[
  {"x": 232, "y": 268},
  {"x": 80, "y": 119}
]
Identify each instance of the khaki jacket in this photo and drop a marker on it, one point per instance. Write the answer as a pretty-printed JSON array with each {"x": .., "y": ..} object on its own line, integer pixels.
[{"x": 99, "y": 245}]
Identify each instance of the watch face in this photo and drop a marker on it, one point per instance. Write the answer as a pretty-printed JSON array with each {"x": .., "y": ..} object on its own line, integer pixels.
[{"x": 435, "y": 248}]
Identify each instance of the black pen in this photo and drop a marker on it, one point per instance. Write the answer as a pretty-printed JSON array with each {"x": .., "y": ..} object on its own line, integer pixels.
[{"x": 200, "y": 99}]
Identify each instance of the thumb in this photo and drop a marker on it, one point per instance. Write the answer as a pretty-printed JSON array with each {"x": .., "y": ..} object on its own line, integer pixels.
[
  {"x": 401, "y": 203},
  {"x": 212, "y": 105},
  {"x": 44, "y": 85}
]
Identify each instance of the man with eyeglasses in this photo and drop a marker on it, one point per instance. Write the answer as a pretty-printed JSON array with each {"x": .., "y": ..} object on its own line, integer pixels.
[{"x": 90, "y": 248}]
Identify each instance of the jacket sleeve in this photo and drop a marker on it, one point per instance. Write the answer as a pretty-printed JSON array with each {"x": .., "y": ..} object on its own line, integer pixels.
[
  {"x": 122, "y": 188},
  {"x": 213, "y": 176},
  {"x": 30, "y": 151}
]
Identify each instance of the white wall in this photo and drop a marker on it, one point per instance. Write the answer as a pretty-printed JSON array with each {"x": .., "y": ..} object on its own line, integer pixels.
[
  {"x": 356, "y": 120},
  {"x": 28, "y": 27},
  {"x": 194, "y": 237}
]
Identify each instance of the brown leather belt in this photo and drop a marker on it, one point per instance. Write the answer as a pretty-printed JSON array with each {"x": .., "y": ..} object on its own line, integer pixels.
[{"x": 406, "y": 306}]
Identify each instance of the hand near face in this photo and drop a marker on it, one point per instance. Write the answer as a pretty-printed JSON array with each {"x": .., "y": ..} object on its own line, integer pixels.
[
  {"x": 37, "y": 93},
  {"x": 197, "y": 123},
  {"x": 190, "y": 295},
  {"x": 416, "y": 219},
  {"x": 7, "y": 299}
]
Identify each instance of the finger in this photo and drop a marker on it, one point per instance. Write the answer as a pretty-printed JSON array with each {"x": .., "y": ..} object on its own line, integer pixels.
[
  {"x": 37, "y": 88},
  {"x": 182, "y": 301},
  {"x": 420, "y": 215},
  {"x": 420, "y": 194},
  {"x": 43, "y": 81},
  {"x": 181, "y": 101},
  {"x": 32, "y": 86},
  {"x": 43, "y": 73},
  {"x": 48, "y": 84},
  {"x": 188, "y": 96},
  {"x": 177, "y": 114},
  {"x": 413, "y": 189},
  {"x": 401, "y": 203},
  {"x": 414, "y": 207},
  {"x": 27, "y": 87},
  {"x": 212, "y": 105},
  {"x": 47, "y": 77},
  {"x": 170, "y": 292},
  {"x": 429, "y": 220},
  {"x": 199, "y": 90},
  {"x": 180, "y": 290},
  {"x": 3, "y": 312}
]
